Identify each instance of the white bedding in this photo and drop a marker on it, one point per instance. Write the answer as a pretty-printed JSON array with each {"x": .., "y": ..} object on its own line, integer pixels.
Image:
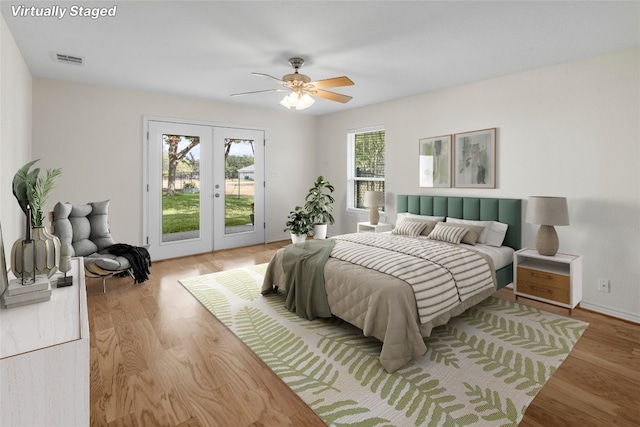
[{"x": 501, "y": 256}]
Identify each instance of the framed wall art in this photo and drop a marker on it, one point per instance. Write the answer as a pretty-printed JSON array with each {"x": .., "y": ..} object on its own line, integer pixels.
[
  {"x": 435, "y": 161},
  {"x": 475, "y": 159}
]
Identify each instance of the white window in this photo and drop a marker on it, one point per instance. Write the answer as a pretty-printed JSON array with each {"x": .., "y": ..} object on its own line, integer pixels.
[{"x": 365, "y": 169}]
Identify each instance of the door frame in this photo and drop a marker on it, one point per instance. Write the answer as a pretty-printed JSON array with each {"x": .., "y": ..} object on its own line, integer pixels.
[{"x": 146, "y": 167}]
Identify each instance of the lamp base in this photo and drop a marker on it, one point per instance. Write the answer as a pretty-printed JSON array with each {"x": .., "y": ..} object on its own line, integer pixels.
[
  {"x": 374, "y": 216},
  {"x": 547, "y": 242}
]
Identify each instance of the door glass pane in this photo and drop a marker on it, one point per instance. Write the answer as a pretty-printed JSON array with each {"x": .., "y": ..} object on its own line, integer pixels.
[
  {"x": 180, "y": 187},
  {"x": 239, "y": 185}
]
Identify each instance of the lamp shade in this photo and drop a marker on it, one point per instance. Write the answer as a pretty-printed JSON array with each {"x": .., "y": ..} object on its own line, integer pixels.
[
  {"x": 373, "y": 199},
  {"x": 544, "y": 210},
  {"x": 305, "y": 101},
  {"x": 295, "y": 100}
]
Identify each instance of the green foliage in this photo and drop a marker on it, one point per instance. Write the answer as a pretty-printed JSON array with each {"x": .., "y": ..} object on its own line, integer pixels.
[
  {"x": 299, "y": 222},
  {"x": 181, "y": 212},
  {"x": 234, "y": 163},
  {"x": 30, "y": 189},
  {"x": 369, "y": 154},
  {"x": 319, "y": 202},
  {"x": 189, "y": 184},
  {"x": 238, "y": 210}
]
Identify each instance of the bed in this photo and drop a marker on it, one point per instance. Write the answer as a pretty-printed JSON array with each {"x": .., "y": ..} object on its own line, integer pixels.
[{"x": 399, "y": 306}]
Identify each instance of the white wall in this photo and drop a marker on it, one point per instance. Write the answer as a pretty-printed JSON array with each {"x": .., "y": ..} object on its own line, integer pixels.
[
  {"x": 570, "y": 130},
  {"x": 95, "y": 135},
  {"x": 15, "y": 131}
]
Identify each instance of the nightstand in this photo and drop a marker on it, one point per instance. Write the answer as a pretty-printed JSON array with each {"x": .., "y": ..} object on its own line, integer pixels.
[
  {"x": 552, "y": 279},
  {"x": 365, "y": 227}
]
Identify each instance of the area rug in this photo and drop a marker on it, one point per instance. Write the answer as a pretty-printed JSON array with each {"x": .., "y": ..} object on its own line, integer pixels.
[{"x": 483, "y": 368}]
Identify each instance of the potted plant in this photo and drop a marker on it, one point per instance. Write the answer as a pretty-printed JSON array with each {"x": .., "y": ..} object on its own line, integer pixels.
[
  {"x": 189, "y": 188},
  {"x": 32, "y": 192},
  {"x": 319, "y": 205},
  {"x": 299, "y": 225}
]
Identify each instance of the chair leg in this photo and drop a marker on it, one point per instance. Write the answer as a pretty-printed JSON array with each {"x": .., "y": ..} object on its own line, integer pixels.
[{"x": 104, "y": 284}]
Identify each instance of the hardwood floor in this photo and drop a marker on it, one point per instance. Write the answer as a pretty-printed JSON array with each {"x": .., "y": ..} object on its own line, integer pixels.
[{"x": 158, "y": 358}]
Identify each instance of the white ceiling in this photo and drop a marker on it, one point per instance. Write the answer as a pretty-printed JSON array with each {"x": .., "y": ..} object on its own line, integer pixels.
[{"x": 390, "y": 49}]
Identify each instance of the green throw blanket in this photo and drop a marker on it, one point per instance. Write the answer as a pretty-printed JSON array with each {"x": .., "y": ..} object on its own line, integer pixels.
[{"x": 303, "y": 264}]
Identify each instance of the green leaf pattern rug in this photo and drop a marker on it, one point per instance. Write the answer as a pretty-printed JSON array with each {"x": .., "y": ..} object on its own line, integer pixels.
[{"x": 483, "y": 368}]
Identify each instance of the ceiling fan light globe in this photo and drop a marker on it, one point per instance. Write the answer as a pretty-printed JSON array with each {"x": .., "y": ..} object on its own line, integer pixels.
[
  {"x": 285, "y": 102},
  {"x": 306, "y": 101},
  {"x": 293, "y": 99}
]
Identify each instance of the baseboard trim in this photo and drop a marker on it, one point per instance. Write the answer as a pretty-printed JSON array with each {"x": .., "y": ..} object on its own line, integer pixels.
[{"x": 608, "y": 311}]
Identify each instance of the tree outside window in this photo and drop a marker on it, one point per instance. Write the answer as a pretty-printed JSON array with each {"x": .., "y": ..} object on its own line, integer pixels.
[{"x": 366, "y": 165}]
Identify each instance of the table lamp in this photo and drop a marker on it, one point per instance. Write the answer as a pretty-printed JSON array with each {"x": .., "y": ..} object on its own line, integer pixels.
[
  {"x": 373, "y": 200},
  {"x": 547, "y": 212}
]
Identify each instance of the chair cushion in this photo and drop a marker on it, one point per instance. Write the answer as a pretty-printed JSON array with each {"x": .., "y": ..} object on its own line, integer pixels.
[
  {"x": 81, "y": 226},
  {"x": 85, "y": 226},
  {"x": 99, "y": 220},
  {"x": 61, "y": 224},
  {"x": 108, "y": 261}
]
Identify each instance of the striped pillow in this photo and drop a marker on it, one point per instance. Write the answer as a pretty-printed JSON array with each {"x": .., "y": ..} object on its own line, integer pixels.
[
  {"x": 409, "y": 228},
  {"x": 447, "y": 233},
  {"x": 473, "y": 232}
]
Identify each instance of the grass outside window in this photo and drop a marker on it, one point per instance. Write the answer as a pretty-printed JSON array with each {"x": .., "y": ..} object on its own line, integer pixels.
[{"x": 181, "y": 212}]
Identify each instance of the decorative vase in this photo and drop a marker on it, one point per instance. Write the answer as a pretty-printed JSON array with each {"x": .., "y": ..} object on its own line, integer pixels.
[
  {"x": 298, "y": 238},
  {"x": 41, "y": 254}
]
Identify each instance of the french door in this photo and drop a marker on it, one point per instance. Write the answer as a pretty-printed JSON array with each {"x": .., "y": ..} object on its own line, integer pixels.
[{"x": 205, "y": 188}]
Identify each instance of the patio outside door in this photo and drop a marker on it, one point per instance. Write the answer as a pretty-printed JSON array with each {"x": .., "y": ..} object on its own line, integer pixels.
[{"x": 205, "y": 188}]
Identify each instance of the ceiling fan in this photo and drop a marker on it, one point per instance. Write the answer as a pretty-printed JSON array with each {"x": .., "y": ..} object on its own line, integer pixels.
[{"x": 302, "y": 89}]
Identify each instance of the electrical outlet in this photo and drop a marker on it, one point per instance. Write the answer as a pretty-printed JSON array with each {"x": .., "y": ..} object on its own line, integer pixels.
[{"x": 603, "y": 285}]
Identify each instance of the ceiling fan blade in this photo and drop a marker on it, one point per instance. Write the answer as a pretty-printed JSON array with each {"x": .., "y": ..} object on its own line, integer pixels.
[
  {"x": 332, "y": 96},
  {"x": 334, "y": 82},
  {"x": 260, "y": 91},
  {"x": 267, "y": 75}
]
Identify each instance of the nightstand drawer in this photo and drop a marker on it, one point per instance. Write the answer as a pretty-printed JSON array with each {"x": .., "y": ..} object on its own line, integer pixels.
[{"x": 544, "y": 284}]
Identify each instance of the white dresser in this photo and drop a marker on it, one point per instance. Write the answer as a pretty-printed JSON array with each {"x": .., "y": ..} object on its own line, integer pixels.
[{"x": 44, "y": 359}]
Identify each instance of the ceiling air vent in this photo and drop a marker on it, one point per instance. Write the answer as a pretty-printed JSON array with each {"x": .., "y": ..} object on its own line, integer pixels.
[{"x": 68, "y": 59}]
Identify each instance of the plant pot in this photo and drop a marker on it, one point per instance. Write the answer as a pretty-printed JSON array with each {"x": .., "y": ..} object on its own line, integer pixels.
[
  {"x": 320, "y": 231},
  {"x": 298, "y": 238},
  {"x": 46, "y": 258}
]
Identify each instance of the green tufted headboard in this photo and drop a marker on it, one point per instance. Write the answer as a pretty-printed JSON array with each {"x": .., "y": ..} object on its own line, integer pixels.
[{"x": 508, "y": 211}]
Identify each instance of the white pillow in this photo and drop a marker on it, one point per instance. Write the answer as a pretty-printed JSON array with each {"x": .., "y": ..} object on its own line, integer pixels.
[
  {"x": 402, "y": 215},
  {"x": 486, "y": 224},
  {"x": 497, "y": 233}
]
